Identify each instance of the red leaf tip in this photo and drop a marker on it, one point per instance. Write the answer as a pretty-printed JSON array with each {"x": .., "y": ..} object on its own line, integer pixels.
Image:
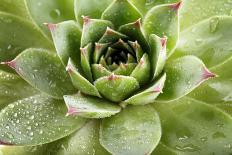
[
  {"x": 71, "y": 111},
  {"x": 86, "y": 19},
  {"x": 158, "y": 89},
  {"x": 176, "y": 6},
  {"x": 11, "y": 64},
  {"x": 207, "y": 74},
  {"x": 163, "y": 41},
  {"x": 5, "y": 143},
  {"x": 50, "y": 26},
  {"x": 112, "y": 77},
  {"x": 138, "y": 23}
]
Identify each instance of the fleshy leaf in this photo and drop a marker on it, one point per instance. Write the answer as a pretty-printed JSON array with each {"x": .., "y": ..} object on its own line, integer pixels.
[
  {"x": 11, "y": 42},
  {"x": 22, "y": 150},
  {"x": 50, "y": 11},
  {"x": 157, "y": 54},
  {"x": 99, "y": 50},
  {"x": 135, "y": 130},
  {"x": 217, "y": 90},
  {"x": 183, "y": 75},
  {"x": 84, "y": 141},
  {"x": 147, "y": 96},
  {"x": 209, "y": 40},
  {"x": 192, "y": 14},
  {"x": 125, "y": 69},
  {"x": 67, "y": 40},
  {"x": 116, "y": 87},
  {"x": 142, "y": 71},
  {"x": 80, "y": 82},
  {"x": 17, "y": 7},
  {"x": 121, "y": 12},
  {"x": 23, "y": 122},
  {"x": 163, "y": 20},
  {"x": 111, "y": 36},
  {"x": 44, "y": 71},
  {"x": 93, "y": 29},
  {"x": 90, "y": 8},
  {"x": 11, "y": 87},
  {"x": 193, "y": 127},
  {"x": 90, "y": 107},
  {"x": 135, "y": 33},
  {"x": 86, "y": 54},
  {"x": 137, "y": 48},
  {"x": 99, "y": 71}
]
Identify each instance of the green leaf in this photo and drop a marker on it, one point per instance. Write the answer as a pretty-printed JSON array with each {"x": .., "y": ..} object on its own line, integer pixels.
[
  {"x": 111, "y": 36},
  {"x": 11, "y": 87},
  {"x": 121, "y": 12},
  {"x": 84, "y": 141},
  {"x": 137, "y": 49},
  {"x": 210, "y": 40},
  {"x": 218, "y": 90},
  {"x": 142, "y": 71},
  {"x": 90, "y": 8},
  {"x": 90, "y": 107},
  {"x": 36, "y": 120},
  {"x": 183, "y": 76},
  {"x": 191, "y": 13},
  {"x": 163, "y": 20},
  {"x": 16, "y": 7},
  {"x": 148, "y": 95},
  {"x": 192, "y": 127},
  {"x": 86, "y": 55},
  {"x": 158, "y": 54},
  {"x": 11, "y": 42},
  {"x": 44, "y": 71},
  {"x": 55, "y": 11},
  {"x": 67, "y": 40},
  {"x": 135, "y": 33},
  {"x": 80, "y": 82},
  {"x": 125, "y": 69},
  {"x": 116, "y": 87},
  {"x": 99, "y": 71},
  {"x": 135, "y": 130},
  {"x": 23, "y": 150},
  {"x": 93, "y": 30}
]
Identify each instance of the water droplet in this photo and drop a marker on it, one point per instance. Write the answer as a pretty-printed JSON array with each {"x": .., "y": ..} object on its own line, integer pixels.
[
  {"x": 187, "y": 148},
  {"x": 217, "y": 135},
  {"x": 55, "y": 13}
]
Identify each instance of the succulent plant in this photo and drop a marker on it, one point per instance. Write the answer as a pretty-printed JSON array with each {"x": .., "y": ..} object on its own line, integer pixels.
[{"x": 121, "y": 77}]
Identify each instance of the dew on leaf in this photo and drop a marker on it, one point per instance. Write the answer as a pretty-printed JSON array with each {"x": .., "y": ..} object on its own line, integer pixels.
[{"x": 213, "y": 24}]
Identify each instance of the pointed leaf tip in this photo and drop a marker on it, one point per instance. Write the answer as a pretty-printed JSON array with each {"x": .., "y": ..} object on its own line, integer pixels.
[
  {"x": 164, "y": 41},
  {"x": 86, "y": 20},
  {"x": 176, "y": 6},
  {"x": 138, "y": 23},
  {"x": 71, "y": 110},
  {"x": 112, "y": 77},
  {"x": 50, "y": 26},
  {"x": 207, "y": 74},
  {"x": 11, "y": 64},
  {"x": 158, "y": 89}
]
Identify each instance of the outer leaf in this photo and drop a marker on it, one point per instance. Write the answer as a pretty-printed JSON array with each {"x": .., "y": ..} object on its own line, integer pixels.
[
  {"x": 11, "y": 41},
  {"x": 192, "y": 127},
  {"x": 209, "y": 40},
  {"x": 158, "y": 54},
  {"x": 54, "y": 11},
  {"x": 22, "y": 150},
  {"x": 67, "y": 40},
  {"x": 135, "y": 130},
  {"x": 80, "y": 82},
  {"x": 44, "y": 71},
  {"x": 218, "y": 90},
  {"x": 16, "y": 7},
  {"x": 148, "y": 95},
  {"x": 31, "y": 121},
  {"x": 184, "y": 74},
  {"x": 121, "y": 12},
  {"x": 93, "y": 30},
  {"x": 163, "y": 20},
  {"x": 90, "y": 107},
  {"x": 90, "y": 8},
  {"x": 84, "y": 141},
  {"x": 191, "y": 13},
  {"x": 13, "y": 88},
  {"x": 116, "y": 87}
]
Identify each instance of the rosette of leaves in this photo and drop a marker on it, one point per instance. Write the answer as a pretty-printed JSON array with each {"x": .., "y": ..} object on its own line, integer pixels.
[{"x": 114, "y": 77}]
